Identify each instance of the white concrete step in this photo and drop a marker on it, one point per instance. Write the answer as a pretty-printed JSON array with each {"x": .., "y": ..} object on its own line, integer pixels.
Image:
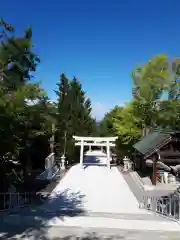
[
  {"x": 128, "y": 216},
  {"x": 96, "y": 222},
  {"x": 70, "y": 233},
  {"x": 73, "y": 233},
  {"x": 112, "y": 223}
]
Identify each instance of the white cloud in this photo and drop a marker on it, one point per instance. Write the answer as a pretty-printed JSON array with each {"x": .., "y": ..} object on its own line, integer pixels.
[{"x": 99, "y": 109}]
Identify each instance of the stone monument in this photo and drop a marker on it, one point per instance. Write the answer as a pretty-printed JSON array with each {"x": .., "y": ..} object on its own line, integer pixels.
[{"x": 49, "y": 164}]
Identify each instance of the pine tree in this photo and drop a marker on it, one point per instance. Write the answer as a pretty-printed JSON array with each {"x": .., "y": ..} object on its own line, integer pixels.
[
  {"x": 84, "y": 125},
  {"x": 21, "y": 122},
  {"x": 63, "y": 113},
  {"x": 74, "y": 116}
]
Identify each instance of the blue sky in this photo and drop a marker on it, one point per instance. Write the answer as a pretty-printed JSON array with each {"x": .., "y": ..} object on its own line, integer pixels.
[{"x": 100, "y": 42}]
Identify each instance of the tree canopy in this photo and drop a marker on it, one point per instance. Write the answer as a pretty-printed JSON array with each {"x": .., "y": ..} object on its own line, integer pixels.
[
  {"x": 73, "y": 116},
  {"x": 24, "y": 112},
  {"x": 30, "y": 121},
  {"x": 155, "y": 102}
]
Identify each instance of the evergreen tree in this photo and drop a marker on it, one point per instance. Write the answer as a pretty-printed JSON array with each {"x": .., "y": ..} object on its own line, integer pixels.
[
  {"x": 81, "y": 109},
  {"x": 22, "y": 104},
  {"x": 63, "y": 113},
  {"x": 17, "y": 59},
  {"x": 73, "y": 118}
]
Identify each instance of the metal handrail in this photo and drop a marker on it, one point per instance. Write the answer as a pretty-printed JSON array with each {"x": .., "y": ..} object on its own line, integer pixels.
[
  {"x": 17, "y": 200},
  {"x": 10, "y": 201},
  {"x": 168, "y": 206}
]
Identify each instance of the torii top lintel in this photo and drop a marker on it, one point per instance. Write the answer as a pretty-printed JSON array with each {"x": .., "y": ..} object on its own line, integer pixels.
[{"x": 98, "y": 139}]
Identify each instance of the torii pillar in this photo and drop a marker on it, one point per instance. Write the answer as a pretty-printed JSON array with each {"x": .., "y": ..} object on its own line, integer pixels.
[
  {"x": 97, "y": 141},
  {"x": 82, "y": 153},
  {"x": 108, "y": 154}
]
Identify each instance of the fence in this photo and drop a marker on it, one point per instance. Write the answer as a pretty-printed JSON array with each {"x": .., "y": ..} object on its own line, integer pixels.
[
  {"x": 11, "y": 201},
  {"x": 168, "y": 206},
  {"x": 14, "y": 201}
]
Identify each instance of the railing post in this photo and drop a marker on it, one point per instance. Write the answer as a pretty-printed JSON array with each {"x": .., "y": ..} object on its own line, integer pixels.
[
  {"x": 154, "y": 203},
  {"x": 179, "y": 207},
  {"x": 170, "y": 206},
  {"x": 175, "y": 209},
  {"x": 10, "y": 200}
]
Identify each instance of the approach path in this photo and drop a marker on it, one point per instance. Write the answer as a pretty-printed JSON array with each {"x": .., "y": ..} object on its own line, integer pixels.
[
  {"x": 97, "y": 199},
  {"x": 97, "y": 189}
]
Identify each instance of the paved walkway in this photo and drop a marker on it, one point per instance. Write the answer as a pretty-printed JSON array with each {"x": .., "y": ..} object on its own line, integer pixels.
[
  {"x": 94, "y": 189},
  {"x": 95, "y": 197},
  {"x": 101, "y": 198},
  {"x": 95, "y": 158}
]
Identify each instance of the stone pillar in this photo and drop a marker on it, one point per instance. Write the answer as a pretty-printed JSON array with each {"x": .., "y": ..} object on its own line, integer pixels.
[
  {"x": 49, "y": 165},
  {"x": 108, "y": 155},
  {"x": 82, "y": 152},
  {"x": 166, "y": 177},
  {"x": 154, "y": 170},
  {"x": 52, "y": 139},
  {"x": 63, "y": 158},
  {"x": 125, "y": 164},
  {"x": 162, "y": 178}
]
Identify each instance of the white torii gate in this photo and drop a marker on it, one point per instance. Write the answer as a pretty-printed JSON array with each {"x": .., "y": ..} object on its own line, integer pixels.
[{"x": 95, "y": 141}]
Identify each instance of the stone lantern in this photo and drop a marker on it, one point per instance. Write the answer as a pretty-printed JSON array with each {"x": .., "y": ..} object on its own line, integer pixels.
[
  {"x": 127, "y": 163},
  {"x": 63, "y": 159}
]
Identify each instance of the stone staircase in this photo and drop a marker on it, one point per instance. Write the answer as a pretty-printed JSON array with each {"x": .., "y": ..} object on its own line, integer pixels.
[
  {"x": 73, "y": 233},
  {"x": 38, "y": 223},
  {"x": 72, "y": 217},
  {"x": 90, "y": 226},
  {"x": 101, "y": 234},
  {"x": 128, "y": 216}
]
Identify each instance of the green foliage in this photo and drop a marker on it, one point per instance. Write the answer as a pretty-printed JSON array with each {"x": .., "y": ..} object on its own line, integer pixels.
[
  {"x": 23, "y": 105},
  {"x": 17, "y": 59},
  {"x": 150, "y": 82},
  {"x": 121, "y": 122},
  {"x": 26, "y": 115},
  {"x": 153, "y": 78},
  {"x": 148, "y": 108},
  {"x": 73, "y": 116},
  {"x": 127, "y": 125},
  {"x": 106, "y": 126}
]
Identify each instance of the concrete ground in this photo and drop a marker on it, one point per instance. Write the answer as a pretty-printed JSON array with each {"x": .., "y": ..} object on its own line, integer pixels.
[
  {"x": 96, "y": 189},
  {"x": 95, "y": 157},
  {"x": 73, "y": 233},
  {"x": 92, "y": 199}
]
